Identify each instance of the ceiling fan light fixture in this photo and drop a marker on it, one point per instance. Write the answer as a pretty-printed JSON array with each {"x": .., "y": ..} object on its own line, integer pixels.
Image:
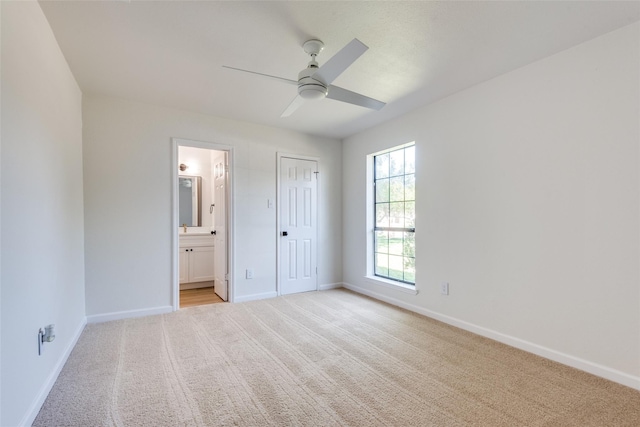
[
  {"x": 310, "y": 88},
  {"x": 312, "y": 91}
]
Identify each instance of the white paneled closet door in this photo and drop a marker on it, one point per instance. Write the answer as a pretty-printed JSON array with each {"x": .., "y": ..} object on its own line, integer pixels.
[{"x": 298, "y": 225}]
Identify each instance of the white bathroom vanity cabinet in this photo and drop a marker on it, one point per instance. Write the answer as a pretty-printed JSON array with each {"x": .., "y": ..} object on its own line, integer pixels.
[{"x": 196, "y": 260}]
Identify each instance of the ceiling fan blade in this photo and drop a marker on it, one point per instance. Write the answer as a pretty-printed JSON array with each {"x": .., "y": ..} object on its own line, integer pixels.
[
  {"x": 345, "y": 95},
  {"x": 295, "y": 104},
  {"x": 280, "y": 79},
  {"x": 340, "y": 61}
]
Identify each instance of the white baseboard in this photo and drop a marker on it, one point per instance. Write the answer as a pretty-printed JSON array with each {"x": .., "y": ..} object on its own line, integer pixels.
[
  {"x": 196, "y": 285},
  {"x": 99, "y": 318},
  {"x": 35, "y": 407},
  {"x": 253, "y": 297},
  {"x": 328, "y": 286},
  {"x": 548, "y": 353}
]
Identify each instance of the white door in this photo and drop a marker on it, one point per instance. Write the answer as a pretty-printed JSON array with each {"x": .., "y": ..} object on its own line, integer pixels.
[
  {"x": 220, "y": 182},
  {"x": 298, "y": 225}
]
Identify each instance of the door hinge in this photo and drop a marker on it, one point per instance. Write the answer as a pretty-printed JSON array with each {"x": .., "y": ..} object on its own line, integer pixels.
[
  {"x": 316, "y": 173},
  {"x": 226, "y": 276}
]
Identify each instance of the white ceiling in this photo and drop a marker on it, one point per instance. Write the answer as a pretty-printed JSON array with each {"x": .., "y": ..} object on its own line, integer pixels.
[{"x": 171, "y": 53}]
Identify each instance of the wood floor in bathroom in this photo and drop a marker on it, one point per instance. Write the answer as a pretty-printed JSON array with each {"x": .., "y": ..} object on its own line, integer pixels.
[{"x": 200, "y": 296}]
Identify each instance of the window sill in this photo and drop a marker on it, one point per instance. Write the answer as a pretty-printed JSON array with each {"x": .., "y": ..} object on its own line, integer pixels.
[{"x": 393, "y": 285}]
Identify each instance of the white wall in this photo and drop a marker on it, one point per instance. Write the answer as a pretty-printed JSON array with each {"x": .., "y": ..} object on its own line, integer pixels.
[
  {"x": 42, "y": 213},
  {"x": 127, "y": 149},
  {"x": 528, "y": 205},
  {"x": 0, "y": 220}
]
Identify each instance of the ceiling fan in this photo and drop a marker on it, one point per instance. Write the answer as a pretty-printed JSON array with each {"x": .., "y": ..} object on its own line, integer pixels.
[{"x": 314, "y": 82}]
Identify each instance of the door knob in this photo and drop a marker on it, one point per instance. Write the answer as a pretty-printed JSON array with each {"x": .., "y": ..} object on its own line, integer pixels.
[
  {"x": 284, "y": 233},
  {"x": 214, "y": 232}
]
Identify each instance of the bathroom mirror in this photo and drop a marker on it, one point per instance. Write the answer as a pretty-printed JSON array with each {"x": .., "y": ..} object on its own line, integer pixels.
[{"x": 190, "y": 200}]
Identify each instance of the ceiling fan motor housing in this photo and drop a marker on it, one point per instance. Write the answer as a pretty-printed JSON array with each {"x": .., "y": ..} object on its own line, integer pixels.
[{"x": 310, "y": 88}]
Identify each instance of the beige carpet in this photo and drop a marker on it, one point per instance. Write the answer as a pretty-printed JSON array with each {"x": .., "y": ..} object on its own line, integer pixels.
[{"x": 318, "y": 359}]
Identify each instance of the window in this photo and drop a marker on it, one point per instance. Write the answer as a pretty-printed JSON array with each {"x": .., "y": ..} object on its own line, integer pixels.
[{"x": 394, "y": 214}]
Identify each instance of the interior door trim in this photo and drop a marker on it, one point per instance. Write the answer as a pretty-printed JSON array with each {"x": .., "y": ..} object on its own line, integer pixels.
[{"x": 175, "y": 240}]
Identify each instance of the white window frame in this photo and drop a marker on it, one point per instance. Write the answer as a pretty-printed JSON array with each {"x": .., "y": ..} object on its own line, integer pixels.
[{"x": 370, "y": 225}]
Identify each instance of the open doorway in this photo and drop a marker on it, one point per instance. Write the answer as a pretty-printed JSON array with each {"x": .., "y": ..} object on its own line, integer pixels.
[{"x": 202, "y": 215}]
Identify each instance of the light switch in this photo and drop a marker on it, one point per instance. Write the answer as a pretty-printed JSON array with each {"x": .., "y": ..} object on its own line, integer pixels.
[{"x": 444, "y": 288}]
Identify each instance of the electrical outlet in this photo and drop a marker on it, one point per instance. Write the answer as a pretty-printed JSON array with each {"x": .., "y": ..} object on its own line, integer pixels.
[
  {"x": 46, "y": 335},
  {"x": 249, "y": 273},
  {"x": 444, "y": 288}
]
